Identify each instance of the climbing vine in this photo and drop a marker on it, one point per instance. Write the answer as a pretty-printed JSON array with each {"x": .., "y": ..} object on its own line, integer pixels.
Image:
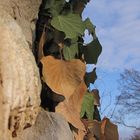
[{"x": 62, "y": 56}]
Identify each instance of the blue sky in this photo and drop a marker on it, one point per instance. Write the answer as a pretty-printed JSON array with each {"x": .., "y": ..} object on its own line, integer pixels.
[{"x": 118, "y": 29}]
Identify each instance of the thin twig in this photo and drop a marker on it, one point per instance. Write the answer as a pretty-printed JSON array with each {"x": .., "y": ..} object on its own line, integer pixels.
[
  {"x": 130, "y": 126},
  {"x": 119, "y": 97},
  {"x": 108, "y": 104}
]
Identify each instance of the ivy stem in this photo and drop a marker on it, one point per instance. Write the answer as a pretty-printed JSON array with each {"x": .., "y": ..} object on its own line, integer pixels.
[{"x": 61, "y": 45}]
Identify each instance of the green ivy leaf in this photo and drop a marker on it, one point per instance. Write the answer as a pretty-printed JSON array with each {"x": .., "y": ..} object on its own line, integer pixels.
[
  {"x": 54, "y": 6},
  {"x": 90, "y": 77},
  {"x": 87, "y": 106},
  {"x": 71, "y": 24},
  {"x": 86, "y": 1},
  {"x": 70, "y": 52},
  {"x": 89, "y": 26},
  {"x": 92, "y": 51},
  {"x": 78, "y": 5}
]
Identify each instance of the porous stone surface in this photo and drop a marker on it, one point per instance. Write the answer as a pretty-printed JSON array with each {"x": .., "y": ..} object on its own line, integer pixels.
[
  {"x": 20, "y": 84},
  {"x": 48, "y": 126},
  {"x": 25, "y": 13}
]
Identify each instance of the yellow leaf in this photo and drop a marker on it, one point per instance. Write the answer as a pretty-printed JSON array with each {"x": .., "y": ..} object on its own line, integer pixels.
[{"x": 63, "y": 77}]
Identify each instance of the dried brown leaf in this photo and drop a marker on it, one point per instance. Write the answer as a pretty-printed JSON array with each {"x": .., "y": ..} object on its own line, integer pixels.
[
  {"x": 104, "y": 130},
  {"x": 76, "y": 99},
  {"x": 41, "y": 45},
  {"x": 63, "y": 77},
  {"x": 95, "y": 128},
  {"x": 79, "y": 7},
  {"x": 71, "y": 109},
  {"x": 109, "y": 130},
  {"x": 66, "y": 109},
  {"x": 96, "y": 97},
  {"x": 79, "y": 136}
]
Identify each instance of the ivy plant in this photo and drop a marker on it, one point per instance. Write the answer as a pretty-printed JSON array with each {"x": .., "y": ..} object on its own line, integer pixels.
[{"x": 64, "y": 28}]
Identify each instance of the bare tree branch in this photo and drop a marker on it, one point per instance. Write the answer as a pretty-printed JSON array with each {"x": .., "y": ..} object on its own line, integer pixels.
[
  {"x": 110, "y": 99},
  {"x": 124, "y": 124},
  {"x": 129, "y": 99}
]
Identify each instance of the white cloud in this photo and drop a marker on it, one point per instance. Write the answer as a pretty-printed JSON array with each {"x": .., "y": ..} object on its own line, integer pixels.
[{"x": 118, "y": 29}]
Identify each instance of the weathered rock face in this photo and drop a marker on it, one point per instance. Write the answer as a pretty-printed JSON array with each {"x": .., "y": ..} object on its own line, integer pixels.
[
  {"x": 48, "y": 126},
  {"x": 24, "y": 12},
  {"x": 20, "y": 84},
  {"x": 19, "y": 79}
]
